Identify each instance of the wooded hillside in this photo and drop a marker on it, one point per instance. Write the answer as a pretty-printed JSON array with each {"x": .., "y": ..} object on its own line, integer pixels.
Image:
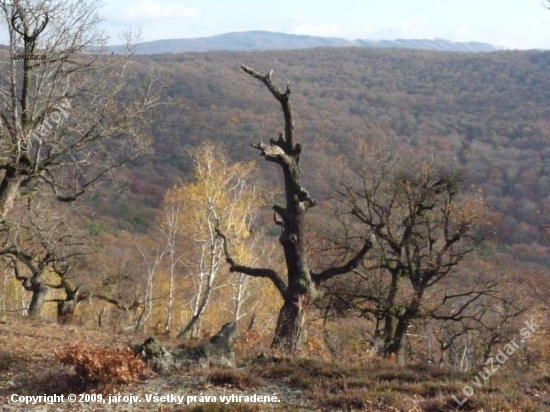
[{"x": 489, "y": 111}]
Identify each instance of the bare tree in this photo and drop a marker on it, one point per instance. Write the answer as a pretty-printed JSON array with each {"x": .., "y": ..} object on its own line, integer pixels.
[
  {"x": 116, "y": 279},
  {"x": 69, "y": 112},
  {"x": 169, "y": 228},
  {"x": 472, "y": 310},
  {"x": 41, "y": 242},
  {"x": 424, "y": 225},
  {"x": 299, "y": 291},
  {"x": 152, "y": 264}
]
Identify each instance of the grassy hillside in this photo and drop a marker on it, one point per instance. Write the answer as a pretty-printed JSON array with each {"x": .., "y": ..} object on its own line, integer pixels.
[{"x": 29, "y": 367}]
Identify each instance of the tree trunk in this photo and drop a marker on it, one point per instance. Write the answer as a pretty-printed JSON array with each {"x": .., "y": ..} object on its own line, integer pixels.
[
  {"x": 65, "y": 311},
  {"x": 301, "y": 290},
  {"x": 168, "y": 324},
  {"x": 66, "y": 308},
  {"x": 398, "y": 326},
  {"x": 290, "y": 323},
  {"x": 190, "y": 327},
  {"x": 390, "y": 325},
  {"x": 202, "y": 299},
  {"x": 394, "y": 343},
  {"x": 39, "y": 292},
  {"x": 392, "y": 318},
  {"x": 9, "y": 189}
]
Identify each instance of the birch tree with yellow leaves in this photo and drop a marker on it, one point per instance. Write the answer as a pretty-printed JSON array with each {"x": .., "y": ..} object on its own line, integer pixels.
[{"x": 220, "y": 196}]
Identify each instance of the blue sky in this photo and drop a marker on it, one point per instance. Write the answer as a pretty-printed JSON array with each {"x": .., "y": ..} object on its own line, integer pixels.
[{"x": 515, "y": 24}]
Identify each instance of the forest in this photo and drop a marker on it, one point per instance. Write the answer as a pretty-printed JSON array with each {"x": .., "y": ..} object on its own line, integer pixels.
[
  {"x": 374, "y": 224},
  {"x": 486, "y": 110}
]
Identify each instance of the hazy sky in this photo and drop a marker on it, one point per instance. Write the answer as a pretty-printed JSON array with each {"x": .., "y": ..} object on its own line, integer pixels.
[{"x": 515, "y": 24}]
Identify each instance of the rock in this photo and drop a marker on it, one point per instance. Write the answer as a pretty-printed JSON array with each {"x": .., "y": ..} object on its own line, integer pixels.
[
  {"x": 217, "y": 351},
  {"x": 156, "y": 356}
]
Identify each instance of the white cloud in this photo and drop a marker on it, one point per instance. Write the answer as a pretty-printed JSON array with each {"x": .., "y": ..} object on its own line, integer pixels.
[
  {"x": 151, "y": 11},
  {"x": 325, "y": 30},
  {"x": 405, "y": 30},
  {"x": 297, "y": 26}
]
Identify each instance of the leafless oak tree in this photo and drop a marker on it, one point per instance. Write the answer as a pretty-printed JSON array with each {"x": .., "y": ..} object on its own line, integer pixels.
[
  {"x": 70, "y": 113},
  {"x": 42, "y": 244},
  {"x": 423, "y": 224}
]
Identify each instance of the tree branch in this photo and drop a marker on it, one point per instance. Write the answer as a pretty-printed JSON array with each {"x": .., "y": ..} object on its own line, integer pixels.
[
  {"x": 283, "y": 98},
  {"x": 256, "y": 272},
  {"x": 272, "y": 153},
  {"x": 348, "y": 267},
  {"x": 25, "y": 281},
  {"x": 120, "y": 305}
]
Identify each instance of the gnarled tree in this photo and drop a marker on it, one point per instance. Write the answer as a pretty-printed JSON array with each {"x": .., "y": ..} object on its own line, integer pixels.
[
  {"x": 424, "y": 224},
  {"x": 42, "y": 244},
  {"x": 300, "y": 289},
  {"x": 69, "y": 111}
]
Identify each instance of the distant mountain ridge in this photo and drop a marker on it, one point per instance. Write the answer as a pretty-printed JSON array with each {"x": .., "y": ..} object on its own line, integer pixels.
[{"x": 265, "y": 40}]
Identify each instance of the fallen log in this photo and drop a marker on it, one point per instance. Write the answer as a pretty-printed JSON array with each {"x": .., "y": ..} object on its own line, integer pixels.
[{"x": 218, "y": 351}]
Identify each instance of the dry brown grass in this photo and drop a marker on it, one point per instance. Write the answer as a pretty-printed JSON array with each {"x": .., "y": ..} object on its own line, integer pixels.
[
  {"x": 233, "y": 378},
  {"x": 382, "y": 385},
  {"x": 28, "y": 366}
]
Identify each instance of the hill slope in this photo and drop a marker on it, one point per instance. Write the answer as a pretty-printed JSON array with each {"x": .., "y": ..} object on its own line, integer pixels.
[
  {"x": 490, "y": 111},
  {"x": 28, "y": 368}
]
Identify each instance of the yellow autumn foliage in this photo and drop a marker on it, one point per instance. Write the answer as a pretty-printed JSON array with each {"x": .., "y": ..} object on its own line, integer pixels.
[{"x": 220, "y": 195}]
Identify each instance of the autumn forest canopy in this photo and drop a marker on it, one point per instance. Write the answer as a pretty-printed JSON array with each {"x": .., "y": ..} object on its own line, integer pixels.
[{"x": 488, "y": 111}]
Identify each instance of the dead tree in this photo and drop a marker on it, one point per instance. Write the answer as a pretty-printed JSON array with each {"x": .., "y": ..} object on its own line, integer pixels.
[{"x": 299, "y": 290}]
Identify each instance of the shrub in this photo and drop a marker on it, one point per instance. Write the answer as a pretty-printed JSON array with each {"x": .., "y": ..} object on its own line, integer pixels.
[{"x": 102, "y": 367}]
